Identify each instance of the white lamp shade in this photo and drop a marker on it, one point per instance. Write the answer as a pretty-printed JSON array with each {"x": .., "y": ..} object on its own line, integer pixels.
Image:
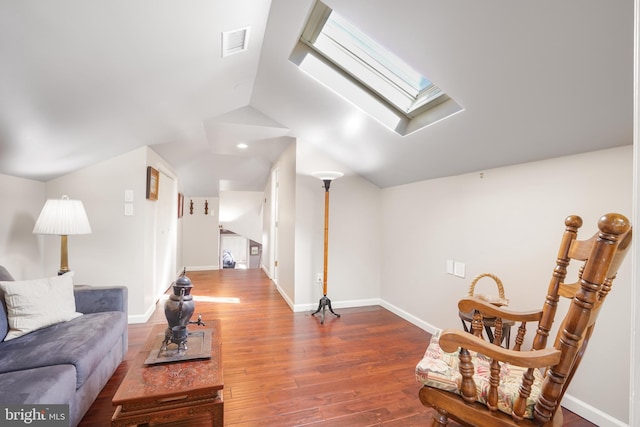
[
  {"x": 62, "y": 217},
  {"x": 327, "y": 175}
]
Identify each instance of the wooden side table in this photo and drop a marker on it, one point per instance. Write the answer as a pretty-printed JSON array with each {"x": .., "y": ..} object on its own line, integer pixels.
[
  {"x": 171, "y": 391},
  {"x": 489, "y": 323}
]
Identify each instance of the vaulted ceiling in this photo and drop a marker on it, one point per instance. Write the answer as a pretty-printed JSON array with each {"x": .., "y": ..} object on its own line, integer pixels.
[{"x": 83, "y": 81}]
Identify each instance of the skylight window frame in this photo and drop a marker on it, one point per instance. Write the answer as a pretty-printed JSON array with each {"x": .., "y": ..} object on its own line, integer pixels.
[{"x": 363, "y": 67}]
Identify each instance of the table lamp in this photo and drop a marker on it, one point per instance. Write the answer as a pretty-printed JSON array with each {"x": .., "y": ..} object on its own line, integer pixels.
[{"x": 63, "y": 217}]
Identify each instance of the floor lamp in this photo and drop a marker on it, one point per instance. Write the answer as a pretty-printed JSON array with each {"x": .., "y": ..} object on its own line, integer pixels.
[
  {"x": 63, "y": 217},
  {"x": 326, "y": 178}
]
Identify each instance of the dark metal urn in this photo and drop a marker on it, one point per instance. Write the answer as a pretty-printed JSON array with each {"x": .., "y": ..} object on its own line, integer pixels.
[
  {"x": 180, "y": 306},
  {"x": 178, "y": 310}
]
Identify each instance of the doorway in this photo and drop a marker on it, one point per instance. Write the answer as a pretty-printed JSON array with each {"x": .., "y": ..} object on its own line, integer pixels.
[
  {"x": 235, "y": 250},
  {"x": 273, "y": 259},
  {"x": 165, "y": 234}
]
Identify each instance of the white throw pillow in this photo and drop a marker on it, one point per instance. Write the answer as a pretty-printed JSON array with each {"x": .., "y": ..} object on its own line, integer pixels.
[{"x": 34, "y": 304}]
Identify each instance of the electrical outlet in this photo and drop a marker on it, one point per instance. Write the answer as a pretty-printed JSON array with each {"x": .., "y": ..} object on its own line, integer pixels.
[{"x": 319, "y": 278}]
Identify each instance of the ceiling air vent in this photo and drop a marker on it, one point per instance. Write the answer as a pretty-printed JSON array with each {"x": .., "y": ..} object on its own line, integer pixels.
[{"x": 235, "y": 41}]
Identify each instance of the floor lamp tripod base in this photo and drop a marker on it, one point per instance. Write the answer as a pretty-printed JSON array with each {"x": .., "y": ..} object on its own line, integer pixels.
[{"x": 322, "y": 306}]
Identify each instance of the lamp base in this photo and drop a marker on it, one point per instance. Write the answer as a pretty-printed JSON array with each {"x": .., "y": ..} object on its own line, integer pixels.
[{"x": 322, "y": 305}]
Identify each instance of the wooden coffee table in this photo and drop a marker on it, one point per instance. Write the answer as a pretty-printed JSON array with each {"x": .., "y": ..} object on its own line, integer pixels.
[{"x": 171, "y": 391}]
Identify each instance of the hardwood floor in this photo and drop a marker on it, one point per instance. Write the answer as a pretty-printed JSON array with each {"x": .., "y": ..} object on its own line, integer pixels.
[{"x": 286, "y": 369}]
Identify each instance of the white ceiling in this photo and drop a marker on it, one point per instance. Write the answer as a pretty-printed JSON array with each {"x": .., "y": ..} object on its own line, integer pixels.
[{"x": 82, "y": 81}]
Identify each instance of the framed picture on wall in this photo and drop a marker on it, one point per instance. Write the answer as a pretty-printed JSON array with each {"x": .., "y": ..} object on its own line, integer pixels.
[
  {"x": 153, "y": 179},
  {"x": 180, "y": 205}
]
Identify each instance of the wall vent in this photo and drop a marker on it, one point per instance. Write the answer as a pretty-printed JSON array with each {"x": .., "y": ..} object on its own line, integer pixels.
[{"x": 235, "y": 41}]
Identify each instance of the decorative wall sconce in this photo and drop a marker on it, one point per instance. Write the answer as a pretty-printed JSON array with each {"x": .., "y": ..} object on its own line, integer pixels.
[
  {"x": 191, "y": 207},
  {"x": 206, "y": 207}
]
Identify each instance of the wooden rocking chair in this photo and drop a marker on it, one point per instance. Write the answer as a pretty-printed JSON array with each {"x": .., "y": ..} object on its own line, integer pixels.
[{"x": 479, "y": 383}]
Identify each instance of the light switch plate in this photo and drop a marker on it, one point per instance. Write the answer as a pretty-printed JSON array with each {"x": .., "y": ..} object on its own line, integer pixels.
[
  {"x": 449, "y": 266},
  {"x": 458, "y": 269}
]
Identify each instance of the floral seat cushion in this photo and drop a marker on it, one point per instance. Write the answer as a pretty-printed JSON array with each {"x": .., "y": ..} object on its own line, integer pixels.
[{"x": 439, "y": 369}]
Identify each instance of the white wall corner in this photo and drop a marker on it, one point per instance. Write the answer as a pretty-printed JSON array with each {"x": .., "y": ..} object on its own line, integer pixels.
[
  {"x": 285, "y": 297},
  {"x": 141, "y": 318}
]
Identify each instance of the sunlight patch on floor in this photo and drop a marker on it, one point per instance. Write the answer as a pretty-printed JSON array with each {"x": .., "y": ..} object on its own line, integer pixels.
[{"x": 226, "y": 300}]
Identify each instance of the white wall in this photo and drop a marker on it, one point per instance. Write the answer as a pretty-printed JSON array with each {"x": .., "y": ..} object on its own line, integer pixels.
[
  {"x": 201, "y": 234},
  {"x": 121, "y": 248},
  {"x": 267, "y": 238},
  {"x": 353, "y": 266},
  {"x": 114, "y": 252},
  {"x": 509, "y": 222},
  {"x": 164, "y": 232},
  {"x": 287, "y": 251},
  {"x": 21, "y": 252},
  {"x": 241, "y": 212},
  {"x": 353, "y": 272}
]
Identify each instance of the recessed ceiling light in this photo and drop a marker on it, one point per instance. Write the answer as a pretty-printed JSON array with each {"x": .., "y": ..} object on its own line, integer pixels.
[{"x": 242, "y": 146}]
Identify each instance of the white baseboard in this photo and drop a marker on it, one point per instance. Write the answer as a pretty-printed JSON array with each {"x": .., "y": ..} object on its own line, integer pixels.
[
  {"x": 590, "y": 413},
  {"x": 410, "y": 318},
  {"x": 266, "y": 271},
  {"x": 364, "y": 303},
  {"x": 202, "y": 268},
  {"x": 141, "y": 318},
  {"x": 338, "y": 304},
  {"x": 285, "y": 297}
]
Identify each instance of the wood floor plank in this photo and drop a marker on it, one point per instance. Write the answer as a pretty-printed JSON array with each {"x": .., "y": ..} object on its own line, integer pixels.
[{"x": 286, "y": 369}]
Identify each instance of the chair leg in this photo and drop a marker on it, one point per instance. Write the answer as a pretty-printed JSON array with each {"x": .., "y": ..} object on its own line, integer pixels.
[{"x": 440, "y": 418}]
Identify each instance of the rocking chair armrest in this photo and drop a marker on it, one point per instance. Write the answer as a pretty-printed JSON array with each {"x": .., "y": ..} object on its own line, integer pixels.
[
  {"x": 470, "y": 304},
  {"x": 451, "y": 340}
]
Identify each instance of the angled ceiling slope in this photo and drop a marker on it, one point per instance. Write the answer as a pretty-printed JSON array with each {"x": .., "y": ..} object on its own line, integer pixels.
[
  {"x": 81, "y": 82},
  {"x": 537, "y": 80},
  {"x": 220, "y": 164}
]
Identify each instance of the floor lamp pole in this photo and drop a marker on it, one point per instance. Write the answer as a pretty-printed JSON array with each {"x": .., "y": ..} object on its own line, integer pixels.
[
  {"x": 326, "y": 240},
  {"x": 325, "y": 302}
]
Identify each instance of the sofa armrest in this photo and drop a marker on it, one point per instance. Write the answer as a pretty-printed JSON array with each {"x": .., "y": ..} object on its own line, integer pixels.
[{"x": 96, "y": 299}]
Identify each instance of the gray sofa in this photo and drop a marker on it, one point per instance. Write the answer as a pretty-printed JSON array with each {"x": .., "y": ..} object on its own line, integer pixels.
[{"x": 69, "y": 362}]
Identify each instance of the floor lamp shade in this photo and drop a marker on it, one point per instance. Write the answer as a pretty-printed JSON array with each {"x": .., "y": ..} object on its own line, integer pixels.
[
  {"x": 63, "y": 217},
  {"x": 327, "y": 177}
]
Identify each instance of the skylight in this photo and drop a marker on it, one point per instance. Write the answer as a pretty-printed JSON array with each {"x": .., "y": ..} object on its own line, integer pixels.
[
  {"x": 336, "y": 43},
  {"x": 370, "y": 63}
]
